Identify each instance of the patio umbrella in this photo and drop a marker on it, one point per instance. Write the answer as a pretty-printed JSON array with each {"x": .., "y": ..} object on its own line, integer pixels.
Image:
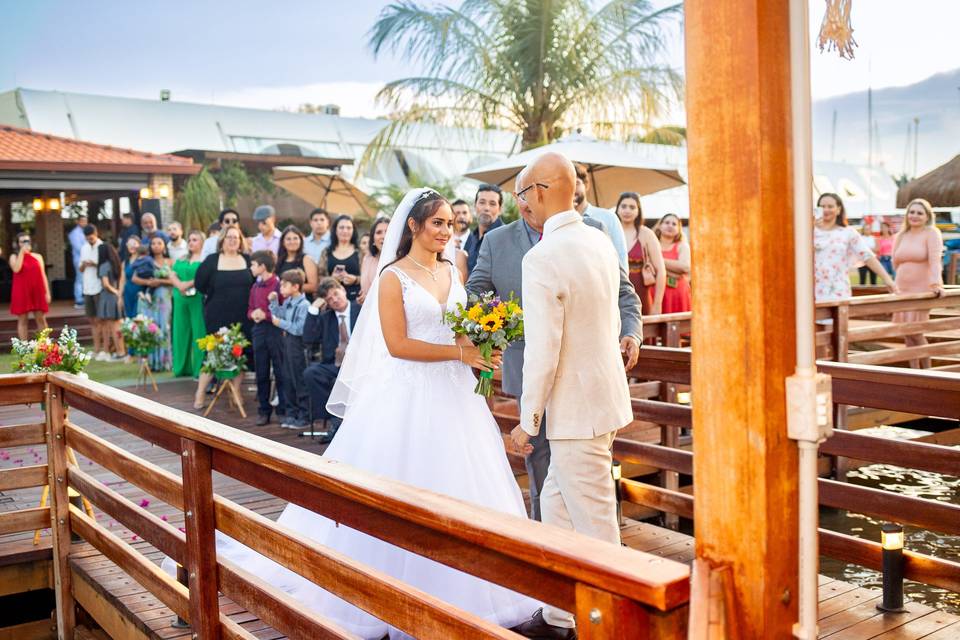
[
  {"x": 614, "y": 167},
  {"x": 324, "y": 188}
]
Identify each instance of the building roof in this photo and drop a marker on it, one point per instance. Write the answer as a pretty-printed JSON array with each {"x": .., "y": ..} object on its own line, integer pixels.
[
  {"x": 433, "y": 152},
  {"x": 940, "y": 187},
  {"x": 26, "y": 150}
]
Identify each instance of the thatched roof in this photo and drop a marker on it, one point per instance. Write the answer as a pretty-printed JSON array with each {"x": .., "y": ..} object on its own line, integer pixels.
[{"x": 941, "y": 186}]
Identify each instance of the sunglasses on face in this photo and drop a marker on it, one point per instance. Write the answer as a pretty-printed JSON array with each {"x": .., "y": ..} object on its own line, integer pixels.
[
  {"x": 231, "y": 220},
  {"x": 520, "y": 194},
  {"x": 24, "y": 240}
]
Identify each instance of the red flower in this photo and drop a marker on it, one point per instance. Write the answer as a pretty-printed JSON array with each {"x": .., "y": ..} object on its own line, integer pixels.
[{"x": 237, "y": 351}]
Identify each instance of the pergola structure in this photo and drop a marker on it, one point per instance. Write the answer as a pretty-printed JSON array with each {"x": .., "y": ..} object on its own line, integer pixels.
[{"x": 46, "y": 173}]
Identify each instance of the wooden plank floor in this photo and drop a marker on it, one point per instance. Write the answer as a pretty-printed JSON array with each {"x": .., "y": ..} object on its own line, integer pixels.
[{"x": 846, "y": 611}]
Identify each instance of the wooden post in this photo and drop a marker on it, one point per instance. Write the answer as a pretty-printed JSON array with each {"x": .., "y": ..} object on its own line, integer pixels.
[
  {"x": 670, "y": 434},
  {"x": 741, "y": 195},
  {"x": 59, "y": 512},
  {"x": 201, "y": 545},
  {"x": 840, "y": 342}
]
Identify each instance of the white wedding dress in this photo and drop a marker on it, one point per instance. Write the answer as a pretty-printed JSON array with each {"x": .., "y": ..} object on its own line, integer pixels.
[{"x": 422, "y": 424}]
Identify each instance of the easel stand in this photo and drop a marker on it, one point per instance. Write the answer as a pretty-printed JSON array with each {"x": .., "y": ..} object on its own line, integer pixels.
[
  {"x": 228, "y": 380},
  {"x": 144, "y": 374}
]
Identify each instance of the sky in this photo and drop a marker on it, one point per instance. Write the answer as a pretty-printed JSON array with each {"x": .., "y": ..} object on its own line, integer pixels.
[{"x": 287, "y": 52}]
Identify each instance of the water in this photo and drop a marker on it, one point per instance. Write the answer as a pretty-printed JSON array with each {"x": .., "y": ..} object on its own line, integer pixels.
[{"x": 910, "y": 482}]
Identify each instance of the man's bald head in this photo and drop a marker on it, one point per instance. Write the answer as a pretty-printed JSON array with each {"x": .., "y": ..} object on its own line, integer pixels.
[{"x": 554, "y": 179}]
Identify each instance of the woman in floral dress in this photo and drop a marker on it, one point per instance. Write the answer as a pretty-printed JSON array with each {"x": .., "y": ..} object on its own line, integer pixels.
[
  {"x": 837, "y": 248},
  {"x": 155, "y": 301}
]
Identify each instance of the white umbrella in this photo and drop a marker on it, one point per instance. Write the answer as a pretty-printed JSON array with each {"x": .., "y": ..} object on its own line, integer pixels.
[
  {"x": 324, "y": 188},
  {"x": 614, "y": 167}
]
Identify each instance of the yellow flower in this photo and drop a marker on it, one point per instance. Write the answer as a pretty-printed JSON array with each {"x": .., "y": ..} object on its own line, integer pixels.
[
  {"x": 501, "y": 310},
  {"x": 475, "y": 313},
  {"x": 491, "y": 322}
]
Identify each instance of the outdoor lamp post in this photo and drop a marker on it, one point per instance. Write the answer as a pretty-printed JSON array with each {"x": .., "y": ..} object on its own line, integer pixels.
[
  {"x": 617, "y": 471},
  {"x": 891, "y": 539}
]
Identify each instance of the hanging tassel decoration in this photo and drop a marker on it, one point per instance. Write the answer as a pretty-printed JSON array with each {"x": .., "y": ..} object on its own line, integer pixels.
[{"x": 836, "y": 31}]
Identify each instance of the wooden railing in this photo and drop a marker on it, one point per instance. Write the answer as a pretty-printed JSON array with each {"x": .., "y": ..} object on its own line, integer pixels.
[
  {"x": 615, "y": 592},
  {"x": 835, "y": 339},
  {"x": 922, "y": 392}
]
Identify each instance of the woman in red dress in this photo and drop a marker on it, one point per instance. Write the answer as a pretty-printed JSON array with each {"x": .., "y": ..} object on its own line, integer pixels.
[
  {"x": 676, "y": 257},
  {"x": 644, "y": 249},
  {"x": 30, "y": 291}
]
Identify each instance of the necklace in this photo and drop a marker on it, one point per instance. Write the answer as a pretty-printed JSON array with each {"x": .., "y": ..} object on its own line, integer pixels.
[{"x": 433, "y": 273}]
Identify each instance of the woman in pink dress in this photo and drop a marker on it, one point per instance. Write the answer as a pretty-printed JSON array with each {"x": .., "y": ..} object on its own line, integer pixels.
[
  {"x": 917, "y": 251},
  {"x": 676, "y": 259},
  {"x": 30, "y": 291},
  {"x": 885, "y": 247}
]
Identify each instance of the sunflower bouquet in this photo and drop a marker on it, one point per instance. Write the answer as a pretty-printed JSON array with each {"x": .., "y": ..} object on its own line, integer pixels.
[
  {"x": 490, "y": 323},
  {"x": 43, "y": 354},
  {"x": 141, "y": 335},
  {"x": 224, "y": 351}
]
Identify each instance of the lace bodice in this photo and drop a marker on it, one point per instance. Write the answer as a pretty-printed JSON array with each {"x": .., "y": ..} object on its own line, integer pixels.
[{"x": 423, "y": 313}]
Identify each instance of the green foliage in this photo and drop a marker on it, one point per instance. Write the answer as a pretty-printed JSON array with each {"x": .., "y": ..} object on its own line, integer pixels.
[
  {"x": 237, "y": 181},
  {"x": 901, "y": 180},
  {"x": 539, "y": 67},
  {"x": 198, "y": 203},
  {"x": 388, "y": 198},
  {"x": 673, "y": 135}
]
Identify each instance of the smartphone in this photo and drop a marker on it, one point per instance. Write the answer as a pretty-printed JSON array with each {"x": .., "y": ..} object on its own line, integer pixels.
[{"x": 339, "y": 268}]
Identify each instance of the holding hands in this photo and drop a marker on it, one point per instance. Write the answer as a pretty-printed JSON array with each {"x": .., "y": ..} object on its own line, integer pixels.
[{"x": 521, "y": 441}]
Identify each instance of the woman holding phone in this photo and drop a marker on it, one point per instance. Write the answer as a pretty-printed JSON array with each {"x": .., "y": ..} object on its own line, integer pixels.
[
  {"x": 343, "y": 258},
  {"x": 30, "y": 291}
]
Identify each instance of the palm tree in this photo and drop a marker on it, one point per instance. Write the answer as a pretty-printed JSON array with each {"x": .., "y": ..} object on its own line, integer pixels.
[{"x": 539, "y": 67}]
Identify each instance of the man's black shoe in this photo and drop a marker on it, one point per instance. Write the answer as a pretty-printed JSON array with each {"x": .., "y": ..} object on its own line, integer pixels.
[
  {"x": 539, "y": 629},
  {"x": 262, "y": 419}
]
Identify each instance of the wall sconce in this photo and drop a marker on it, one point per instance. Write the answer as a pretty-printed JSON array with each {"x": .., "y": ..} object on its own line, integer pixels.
[
  {"x": 163, "y": 191},
  {"x": 146, "y": 193},
  {"x": 53, "y": 204},
  {"x": 38, "y": 204},
  {"x": 891, "y": 539}
]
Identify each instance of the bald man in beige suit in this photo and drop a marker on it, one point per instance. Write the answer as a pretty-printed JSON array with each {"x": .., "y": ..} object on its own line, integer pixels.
[{"x": 572, "y": 368}]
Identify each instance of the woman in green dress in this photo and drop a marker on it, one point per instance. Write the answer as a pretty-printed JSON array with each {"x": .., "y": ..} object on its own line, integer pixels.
[{"x": 188, "y": 311}]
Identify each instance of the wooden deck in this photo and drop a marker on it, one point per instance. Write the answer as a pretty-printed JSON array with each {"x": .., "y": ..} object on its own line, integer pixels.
[{"x": 126, "y": 610}]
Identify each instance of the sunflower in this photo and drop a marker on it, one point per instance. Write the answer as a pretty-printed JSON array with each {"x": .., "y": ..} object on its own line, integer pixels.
[
  {"x": 475, "y": 313},
  {"x": 491, "y": 322}
]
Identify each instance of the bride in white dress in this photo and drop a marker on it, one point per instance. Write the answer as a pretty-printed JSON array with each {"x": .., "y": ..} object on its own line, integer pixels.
[{"x": 405, "y": 392}]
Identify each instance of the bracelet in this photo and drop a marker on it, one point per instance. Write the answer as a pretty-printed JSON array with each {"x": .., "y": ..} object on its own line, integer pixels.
[{"x": 461, "y": 352}]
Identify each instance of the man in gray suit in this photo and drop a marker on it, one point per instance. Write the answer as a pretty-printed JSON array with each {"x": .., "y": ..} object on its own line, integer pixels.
[{"x": 499, "y": 269}]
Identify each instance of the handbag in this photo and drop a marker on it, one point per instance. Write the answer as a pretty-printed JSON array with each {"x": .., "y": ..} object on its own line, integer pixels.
[{"x": 648, "y": 272}]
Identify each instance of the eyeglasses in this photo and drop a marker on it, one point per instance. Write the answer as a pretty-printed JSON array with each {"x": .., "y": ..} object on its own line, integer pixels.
[{"x": 519, "y": 194}]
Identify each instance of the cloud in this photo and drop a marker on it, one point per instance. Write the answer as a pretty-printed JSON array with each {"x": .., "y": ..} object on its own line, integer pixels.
[{"x": 356, "y": 99}]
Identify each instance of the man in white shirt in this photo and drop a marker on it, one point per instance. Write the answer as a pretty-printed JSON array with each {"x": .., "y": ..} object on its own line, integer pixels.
[
  {"x": 462, "y": 219},
  {"x": 332, "y": 329},
  {"x": 76, "y": 245},
  {"x": 319, "y": 238},
  {"x": 177, "y": 247},
  {"x": 92, "y": 285},
  {"x": 606, "y": 216}
]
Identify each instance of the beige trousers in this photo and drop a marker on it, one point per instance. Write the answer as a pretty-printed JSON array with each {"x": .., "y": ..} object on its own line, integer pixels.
[{"x": 578, "y": 494}]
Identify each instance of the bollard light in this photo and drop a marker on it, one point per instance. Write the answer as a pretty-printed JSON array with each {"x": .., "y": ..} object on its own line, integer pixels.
[
  {"x": 616, "y": 471},
  {"x": 891, "y": 539},
  {"x": 74, "y": 497}
]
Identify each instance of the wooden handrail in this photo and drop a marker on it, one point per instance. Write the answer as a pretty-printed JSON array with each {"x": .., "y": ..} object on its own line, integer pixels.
[
  {"x": 511, "y": 551},
  {"x": 638, "y": 577}
]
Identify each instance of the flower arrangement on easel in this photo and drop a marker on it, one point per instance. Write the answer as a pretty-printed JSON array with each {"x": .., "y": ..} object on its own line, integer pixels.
[
  {"x": 44, "y": 354},
  {"x": 142, "y": 335},
  {"x": 224, "y": 358}
]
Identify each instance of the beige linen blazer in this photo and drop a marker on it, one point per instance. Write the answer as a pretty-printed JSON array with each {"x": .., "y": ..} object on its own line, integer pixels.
[{"x": 572, "y": 365}]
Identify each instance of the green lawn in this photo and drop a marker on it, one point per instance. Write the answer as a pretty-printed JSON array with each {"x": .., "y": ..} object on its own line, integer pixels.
[{"x": 117, "y": 373}]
